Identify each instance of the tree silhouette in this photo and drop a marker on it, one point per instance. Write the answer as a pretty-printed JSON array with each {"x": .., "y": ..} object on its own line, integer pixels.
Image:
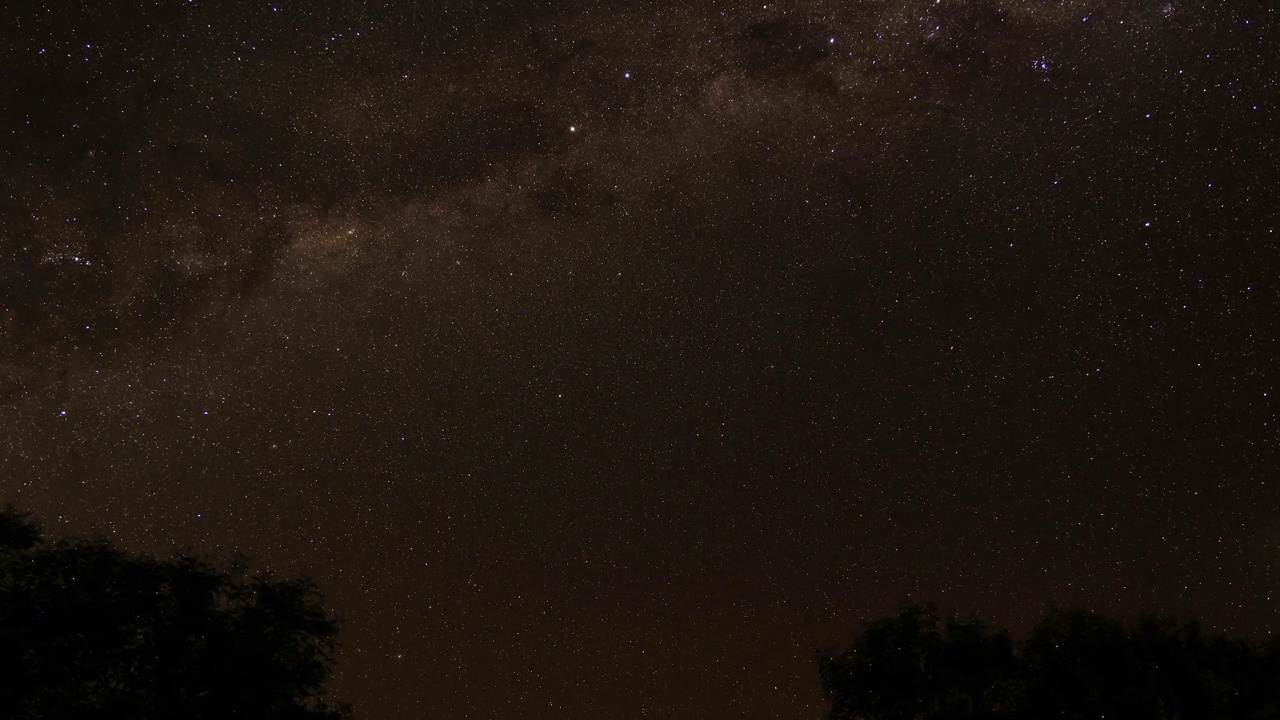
[
  {"x": 1073, "y": 664},
  {"x": 913, "y": 666},
  {"x": 88, "y": 631}
]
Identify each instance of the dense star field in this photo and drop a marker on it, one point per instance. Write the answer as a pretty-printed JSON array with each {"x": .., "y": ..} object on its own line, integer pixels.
[{"x": 609, "y": 359}]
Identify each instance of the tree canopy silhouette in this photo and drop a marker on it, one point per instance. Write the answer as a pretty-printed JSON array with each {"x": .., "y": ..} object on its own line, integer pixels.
[
  {"x": 88, "y": 631},
  {"x": 1074, "y": 664}
]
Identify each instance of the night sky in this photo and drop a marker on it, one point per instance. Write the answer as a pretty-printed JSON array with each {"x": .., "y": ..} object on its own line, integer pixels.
[{"x": 606, "y": 359}]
